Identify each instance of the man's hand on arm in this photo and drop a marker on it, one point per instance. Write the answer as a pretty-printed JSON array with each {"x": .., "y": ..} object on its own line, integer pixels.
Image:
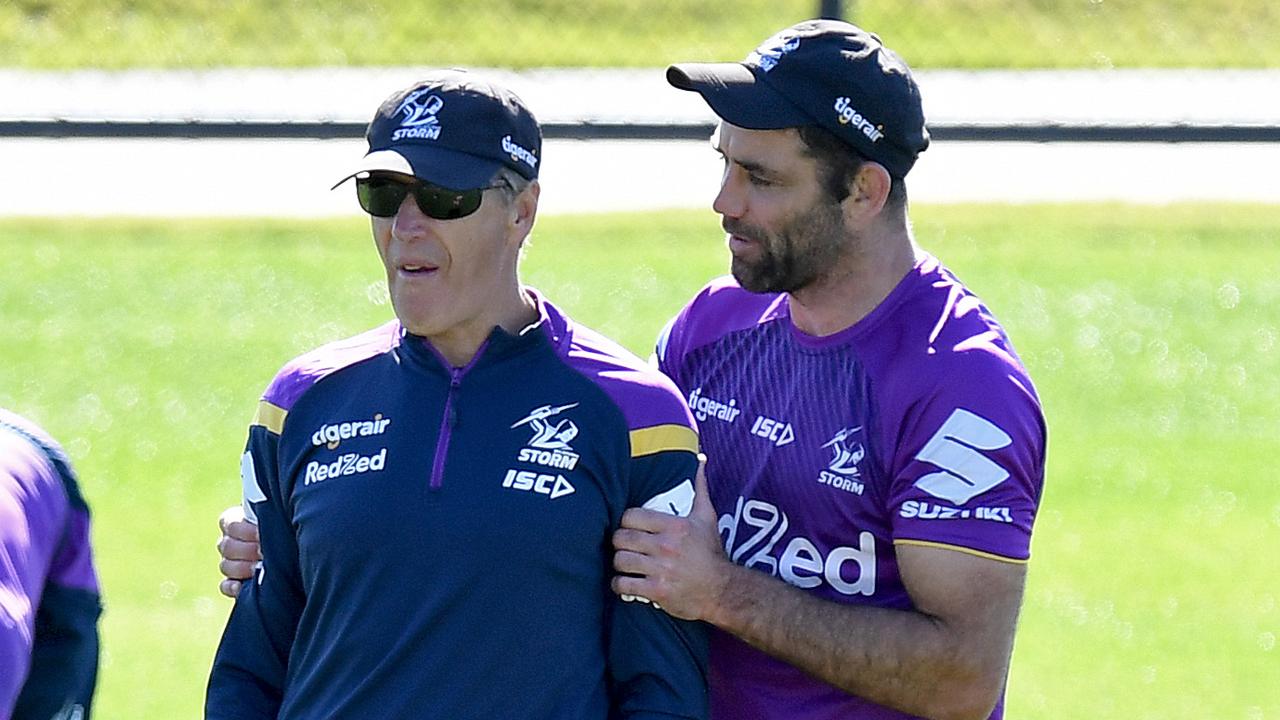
[
  {"x": 238, "y": 548},
  {"x": 945, "y": 659},
  {"x": 676, "y": 562}
]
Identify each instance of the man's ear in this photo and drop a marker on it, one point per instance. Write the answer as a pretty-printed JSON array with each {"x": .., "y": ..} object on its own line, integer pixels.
[
  {"x": 868, "y": 193},
  {"x": 524, "y": 210}
]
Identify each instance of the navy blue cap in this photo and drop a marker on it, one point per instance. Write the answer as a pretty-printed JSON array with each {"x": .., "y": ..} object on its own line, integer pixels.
[
  {"x": 820, "y": 72},
  {"x": 454, "y": 129}
]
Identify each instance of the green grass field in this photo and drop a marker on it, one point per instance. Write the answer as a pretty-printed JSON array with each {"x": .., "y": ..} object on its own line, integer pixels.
[
  {"x": 111, "y": 34},
  {"x": 1152, "y": 334}
]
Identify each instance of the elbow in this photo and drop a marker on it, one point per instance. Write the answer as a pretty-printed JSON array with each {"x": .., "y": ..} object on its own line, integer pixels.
[{"x": 972, "y": 696}]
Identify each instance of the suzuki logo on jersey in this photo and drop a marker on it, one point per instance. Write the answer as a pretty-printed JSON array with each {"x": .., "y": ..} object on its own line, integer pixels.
[
  {"x": 549, "y": 445},
  {"x": 419, "y": 110},
  {"x": 842, "y": 472},
  {"x": 849, "y": 570},
  {"x": 331, "y": 436},
  {"x": 553, "y": 486},
  {"x": 933, "y": 511},
  {"x": 775, "y": 431},
  {"x": 706, "y": 407},
  {"x": 955, "y": 449},
  {"x": 348, "y": 464}
]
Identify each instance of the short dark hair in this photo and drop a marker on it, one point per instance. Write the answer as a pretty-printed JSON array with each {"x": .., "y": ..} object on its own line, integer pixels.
[{"x": 838, "y": 163}]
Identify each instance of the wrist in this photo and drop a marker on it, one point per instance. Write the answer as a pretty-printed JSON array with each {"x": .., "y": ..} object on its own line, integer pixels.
[{"x": 724, "y": 585}]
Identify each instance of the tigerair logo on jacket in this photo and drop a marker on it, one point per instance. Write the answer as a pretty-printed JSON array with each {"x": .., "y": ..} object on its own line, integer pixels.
[
  {"x": 331, "y": 435},
  {"x": 549, "y": 445}
]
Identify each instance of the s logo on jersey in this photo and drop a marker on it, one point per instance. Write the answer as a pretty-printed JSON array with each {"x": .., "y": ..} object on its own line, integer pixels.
[
  {"x": 549, "y": 445},
  {"x": 964, "y": 472},
  {"x": 842, "y": 472}
]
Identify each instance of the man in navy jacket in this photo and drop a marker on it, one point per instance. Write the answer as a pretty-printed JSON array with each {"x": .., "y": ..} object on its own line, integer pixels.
[{"x": 494, "y": 445}]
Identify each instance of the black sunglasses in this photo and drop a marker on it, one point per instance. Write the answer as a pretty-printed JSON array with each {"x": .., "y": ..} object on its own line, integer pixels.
[{"x": 381, "y": 197}]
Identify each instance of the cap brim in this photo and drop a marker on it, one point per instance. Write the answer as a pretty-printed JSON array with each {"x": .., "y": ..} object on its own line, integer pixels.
[
  {"x": 449, "y": 168},
  {"x": 738, "y": 96}
]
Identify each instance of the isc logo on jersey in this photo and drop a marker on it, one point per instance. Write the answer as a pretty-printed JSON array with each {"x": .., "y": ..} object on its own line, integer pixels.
[
  {"x": 775, "y": 431},
  {"x": 751, "y": 536}
]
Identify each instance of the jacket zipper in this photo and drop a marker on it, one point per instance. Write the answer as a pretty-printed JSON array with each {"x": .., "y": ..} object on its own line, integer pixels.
[{"x": 449, "y": 420}]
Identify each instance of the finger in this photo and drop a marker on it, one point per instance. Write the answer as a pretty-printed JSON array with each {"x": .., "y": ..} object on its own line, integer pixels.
[
  {"x": 230, "y": 588},
  {"x": 646, "y": 520},
  {"x": 244, "y": 531},
  {"x": 701, "y": 496},
  {"x": 236, "y": 569},
  {"x": 637, "y": 541},
  {"x": 235, "y": 513},
  {"x": 232, "y": 549},
  {"x": 633, "y": 563},
  {"x": 632, "y": 588}
]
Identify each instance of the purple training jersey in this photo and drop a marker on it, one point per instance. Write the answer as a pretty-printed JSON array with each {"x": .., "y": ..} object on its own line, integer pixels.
[
  {"x": 916, "y": 425},
  {"x": 48, "y": 586}
]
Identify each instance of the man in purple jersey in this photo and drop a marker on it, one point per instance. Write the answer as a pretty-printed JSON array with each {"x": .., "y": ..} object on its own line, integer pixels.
[
  {"x": 875, "y": 446},
  {"x": 49, "y": 599}
]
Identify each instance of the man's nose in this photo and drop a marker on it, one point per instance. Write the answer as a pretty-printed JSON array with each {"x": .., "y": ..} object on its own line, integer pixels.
[
  {"x": 731, "y": 200},
  {"x": 410, "y": 222}
]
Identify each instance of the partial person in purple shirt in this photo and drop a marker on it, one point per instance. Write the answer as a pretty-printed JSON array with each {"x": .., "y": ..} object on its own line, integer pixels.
[
  {"x": 49, "y": 596},
  {"x": 875, "y": 447}
]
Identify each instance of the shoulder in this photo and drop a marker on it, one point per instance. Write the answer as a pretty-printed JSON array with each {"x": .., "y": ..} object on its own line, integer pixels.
[
  {"x": 305, "y": 371},
  {"x": 32, "y": 490},
  {"x": 645, "y": 396},
  {"x": 945, "y": 369},
  {"x": 720, "y": 308},
  {"x": 939, "y": 337}
]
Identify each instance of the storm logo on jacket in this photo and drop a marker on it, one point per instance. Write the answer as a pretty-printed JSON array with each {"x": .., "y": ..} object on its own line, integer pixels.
[{"x": 549, "y": 445}]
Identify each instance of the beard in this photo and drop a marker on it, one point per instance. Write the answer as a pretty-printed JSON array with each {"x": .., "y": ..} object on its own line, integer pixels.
[{"x": 809, "y": 244}]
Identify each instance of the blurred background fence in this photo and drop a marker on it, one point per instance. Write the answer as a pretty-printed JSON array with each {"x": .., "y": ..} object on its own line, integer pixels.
[
  {"x": 1108, "y": 70},
  {"x": 969, "y": 34}
]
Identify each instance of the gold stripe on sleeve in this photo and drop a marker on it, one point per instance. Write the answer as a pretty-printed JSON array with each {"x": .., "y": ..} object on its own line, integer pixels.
[
  {"x": 965, "y": 550},
  {"x": 270, "y": 417},
  {"x": 659, "y": 438}
]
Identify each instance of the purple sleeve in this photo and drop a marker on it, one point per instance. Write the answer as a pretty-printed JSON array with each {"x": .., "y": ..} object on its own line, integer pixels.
[
  {"x": 33, "y": 514},
  {"x": 969, "y": 468}
]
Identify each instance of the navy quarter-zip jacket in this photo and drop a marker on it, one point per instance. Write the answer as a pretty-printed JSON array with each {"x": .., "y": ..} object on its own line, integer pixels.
[{"x": 437, "y": 541}]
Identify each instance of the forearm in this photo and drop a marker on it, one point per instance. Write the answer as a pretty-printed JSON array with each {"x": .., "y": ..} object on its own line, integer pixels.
[{"x": 907, "y": 660}]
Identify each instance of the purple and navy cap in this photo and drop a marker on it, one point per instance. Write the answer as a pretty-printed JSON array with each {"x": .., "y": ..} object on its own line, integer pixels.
[
  {"x": 820, "y": 72},
  {"x": 455, "y": 129}
]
